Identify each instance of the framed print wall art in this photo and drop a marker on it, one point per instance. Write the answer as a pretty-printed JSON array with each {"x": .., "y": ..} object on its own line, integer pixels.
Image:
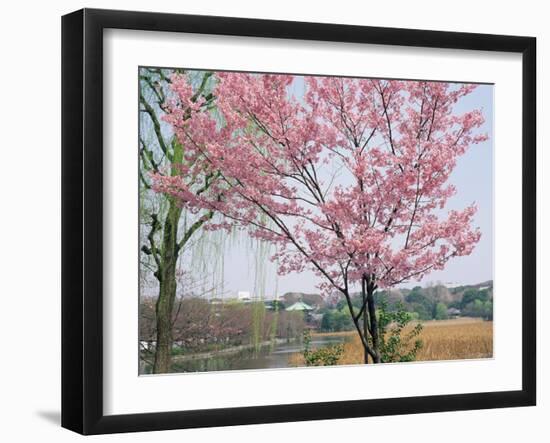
[{"x": 270, "y": 221}]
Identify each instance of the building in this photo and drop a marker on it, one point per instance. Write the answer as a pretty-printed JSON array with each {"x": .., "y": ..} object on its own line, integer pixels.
[
  {"x": 300, "y": 306},
  {"x": 453, "y": 312},
  {"x": 244, "y": 296},
  {"x": 452, "y": 285}
]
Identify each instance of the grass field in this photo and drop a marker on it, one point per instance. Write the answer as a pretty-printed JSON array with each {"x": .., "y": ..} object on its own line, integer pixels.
[{"x": 458, "y": 339}]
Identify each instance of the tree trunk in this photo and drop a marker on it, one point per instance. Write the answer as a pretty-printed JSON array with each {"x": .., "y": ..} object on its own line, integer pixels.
[
  {"x": 373, "y": 323},
  {"x": 365, "y": 318},
  {"x": 167, "y": 292}
]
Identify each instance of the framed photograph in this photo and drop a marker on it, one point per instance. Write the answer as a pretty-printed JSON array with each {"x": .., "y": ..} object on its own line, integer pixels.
[{"x": 269, "y": 221}]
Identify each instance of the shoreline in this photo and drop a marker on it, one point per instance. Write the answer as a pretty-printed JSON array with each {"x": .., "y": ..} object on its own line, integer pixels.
[{"x": 231, "y": 350}]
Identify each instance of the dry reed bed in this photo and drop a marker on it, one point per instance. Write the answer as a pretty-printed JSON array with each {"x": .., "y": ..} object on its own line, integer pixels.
[{"x": 464, "y": 338}]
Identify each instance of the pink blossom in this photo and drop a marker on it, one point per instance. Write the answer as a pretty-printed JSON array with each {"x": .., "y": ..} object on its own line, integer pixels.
[{"x": 396, "y": 141}]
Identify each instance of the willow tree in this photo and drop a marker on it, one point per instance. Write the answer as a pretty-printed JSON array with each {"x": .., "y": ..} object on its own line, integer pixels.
[
  {"x": 166, "y": 227},
  {"x": 379, "y": 220}
]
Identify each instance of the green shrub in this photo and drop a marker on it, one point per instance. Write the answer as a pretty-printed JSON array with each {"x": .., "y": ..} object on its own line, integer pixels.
[
  {"x": 327, "y": 356},
  {"x": 394, "y": 345}
]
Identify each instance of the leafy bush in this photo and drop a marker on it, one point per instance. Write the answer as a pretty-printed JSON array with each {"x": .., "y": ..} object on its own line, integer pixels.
[
  {"x": 327, "y": 356},
  {"x": 396, "y": 346}
]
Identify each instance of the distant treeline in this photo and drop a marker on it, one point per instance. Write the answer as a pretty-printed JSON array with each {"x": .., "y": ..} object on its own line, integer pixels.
[
  {"x": 199, "y": 325},
  {"x": 202, "y": 325},
  {"x": 436, "y": 302}
]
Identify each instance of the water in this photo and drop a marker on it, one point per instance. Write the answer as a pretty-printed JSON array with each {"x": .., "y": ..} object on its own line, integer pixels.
[{"x": 268, "y": 357}]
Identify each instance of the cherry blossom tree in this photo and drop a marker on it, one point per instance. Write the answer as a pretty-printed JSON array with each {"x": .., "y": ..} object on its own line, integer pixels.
[{"x": 349, "y": 179}]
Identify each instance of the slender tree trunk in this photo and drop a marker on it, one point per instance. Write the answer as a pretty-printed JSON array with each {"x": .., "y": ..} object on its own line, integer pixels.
[
  {"x": 365, "y": 318},
  {"x": 167, "y": 292},
  {"x": 373, "y": 323}
]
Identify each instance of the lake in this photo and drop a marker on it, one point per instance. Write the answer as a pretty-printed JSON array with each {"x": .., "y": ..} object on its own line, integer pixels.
[{"x": 268, "y": 357}]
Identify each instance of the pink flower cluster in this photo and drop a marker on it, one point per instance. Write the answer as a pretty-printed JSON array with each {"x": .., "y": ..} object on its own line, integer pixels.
[{"x": 349, "y": 180}]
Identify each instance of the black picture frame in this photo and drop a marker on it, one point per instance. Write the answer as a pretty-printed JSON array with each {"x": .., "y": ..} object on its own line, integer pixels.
[{"x": 82, "y": 218}]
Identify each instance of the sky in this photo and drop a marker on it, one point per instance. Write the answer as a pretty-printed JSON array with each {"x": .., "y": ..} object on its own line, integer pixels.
[{"x": 473, "y": 178}]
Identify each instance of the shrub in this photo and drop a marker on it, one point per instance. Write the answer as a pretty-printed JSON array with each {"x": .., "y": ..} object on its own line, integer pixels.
[
  {"x": 327, "y": 356},
  {"x": 395, "y": 345}
]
